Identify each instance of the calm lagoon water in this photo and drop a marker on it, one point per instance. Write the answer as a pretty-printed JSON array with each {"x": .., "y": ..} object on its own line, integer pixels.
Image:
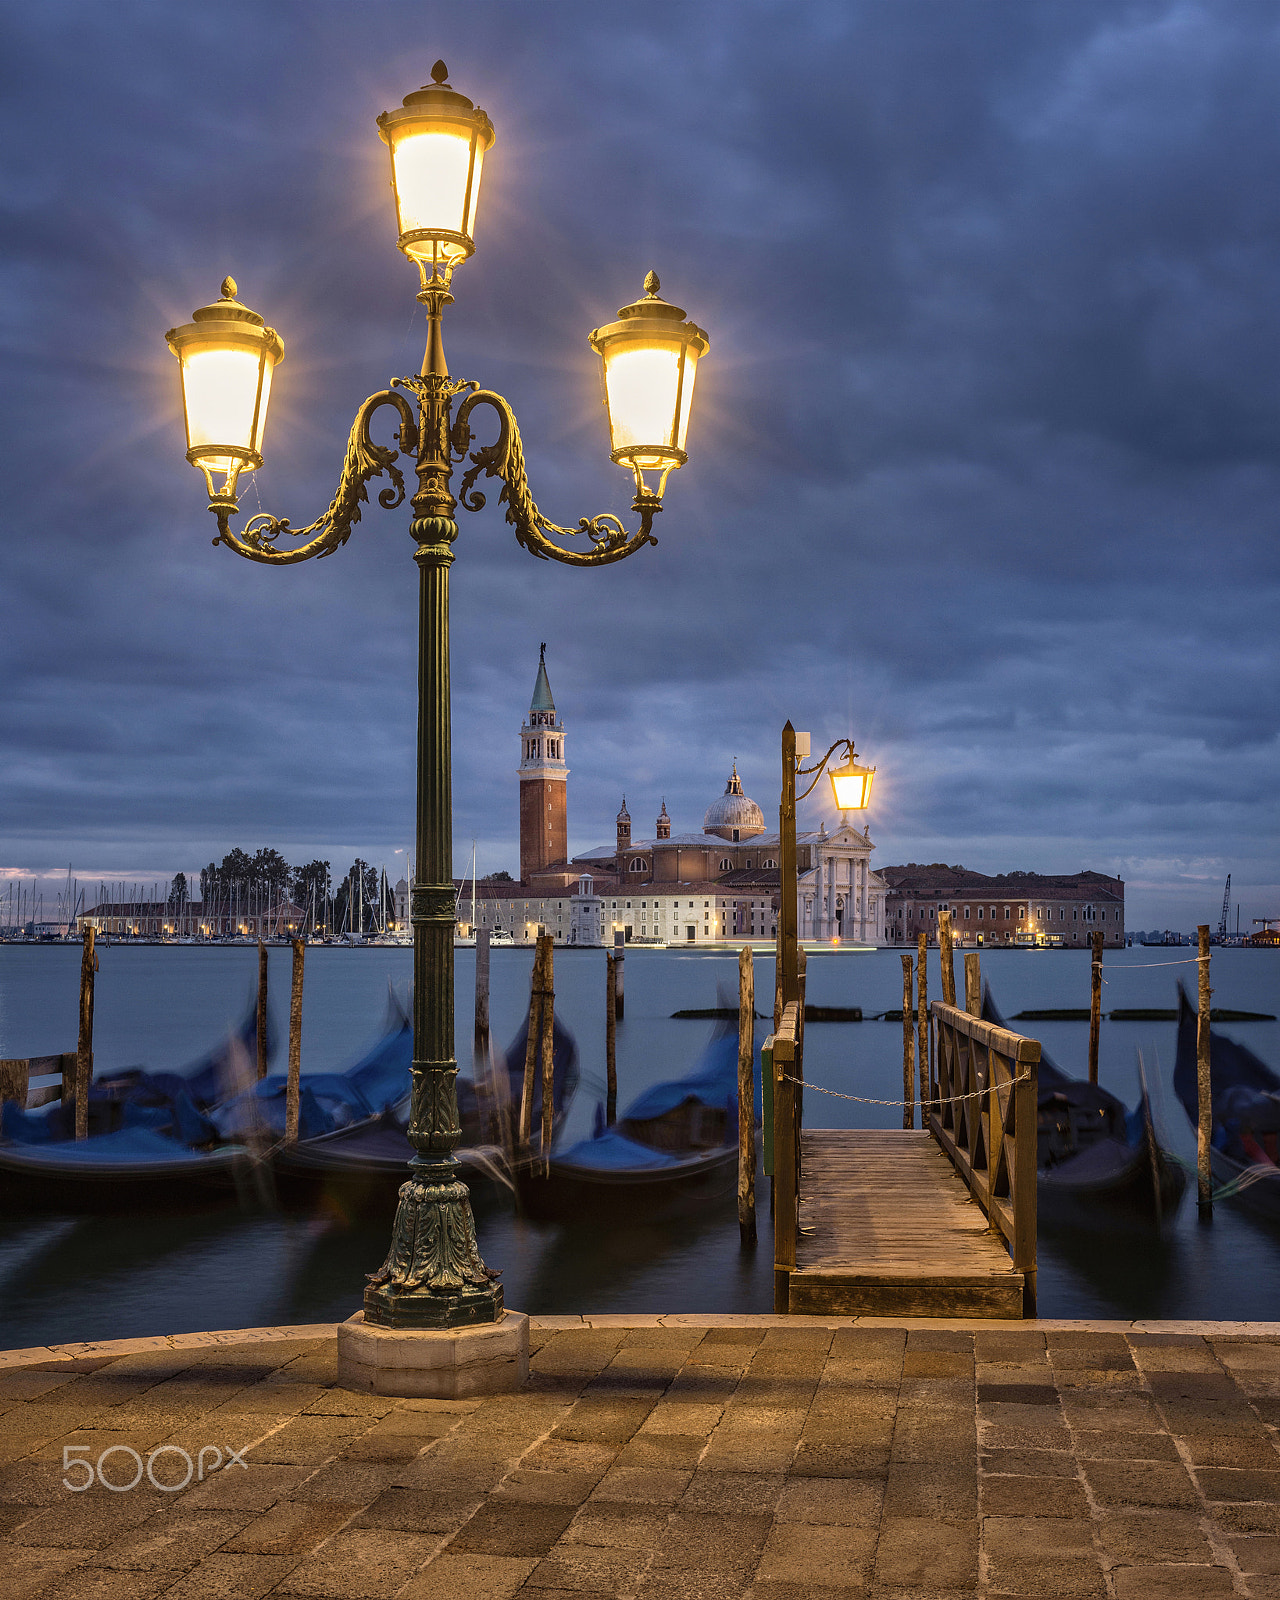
[{"x": 66, "y": 1278}]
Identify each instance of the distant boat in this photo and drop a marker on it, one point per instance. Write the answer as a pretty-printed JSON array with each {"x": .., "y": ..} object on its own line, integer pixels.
[
  {"x": 1245, "y": 1095},
  {"x": 466, "y": 940},
  {"x": 1095, "y": 1159},
  {"x": 673, "y": 1151},
  {"x": 500, "y": 936}
]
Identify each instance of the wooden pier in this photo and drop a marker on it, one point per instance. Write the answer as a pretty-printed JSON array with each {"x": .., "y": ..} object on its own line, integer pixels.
[{"x": 935, "y": 1223}]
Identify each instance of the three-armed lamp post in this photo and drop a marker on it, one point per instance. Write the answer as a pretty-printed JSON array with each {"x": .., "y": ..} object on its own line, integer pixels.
[
  {"x": 851, "y": 786},
  {"x": 433, "y": 1276}
]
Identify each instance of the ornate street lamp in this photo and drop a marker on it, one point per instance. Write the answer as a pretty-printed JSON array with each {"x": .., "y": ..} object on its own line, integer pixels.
[
  {"x": 851, "y": 786},
  {"x": 433, "y": 1276}
]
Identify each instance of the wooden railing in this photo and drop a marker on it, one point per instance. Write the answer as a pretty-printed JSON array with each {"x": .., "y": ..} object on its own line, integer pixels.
[{"x": 982, "y": 1111}]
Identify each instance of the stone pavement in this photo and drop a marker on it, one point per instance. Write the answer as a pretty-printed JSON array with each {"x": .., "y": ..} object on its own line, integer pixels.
[{"x": 771, "y": 1460}]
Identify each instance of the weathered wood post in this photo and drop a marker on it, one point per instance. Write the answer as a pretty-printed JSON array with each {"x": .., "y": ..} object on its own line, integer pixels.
[
  {"x": 619, "y": 957},
  {"x": 908, "y": 1048},
  {"x": 262, "y": 1009},
  {"x": 1204, "y": 1084},
  {"x": 548, "y": 1045},
  {"x": 482, "y": 988},
  {"x": 784, "y": 1168},
  {"x": 973, "y": 984},
  {"x": 531, "y": 1050},
  {"x": 947, "y": 957},
  {"x": 15, "y": 1081},
  {"x": 802, "y": 962},
  {"x": 611, "y": 1038},
  {"x": 1095, "y": 1004},
  {"x": 922, "y": 1023},
  {"x": 746, "y": 1097},
  {"x": 84, "y": 1048},
  {"x": 293, "y": 1091}
]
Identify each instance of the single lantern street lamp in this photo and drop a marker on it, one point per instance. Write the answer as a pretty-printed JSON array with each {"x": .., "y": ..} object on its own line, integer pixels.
[{"x": 433, "y": 1276}]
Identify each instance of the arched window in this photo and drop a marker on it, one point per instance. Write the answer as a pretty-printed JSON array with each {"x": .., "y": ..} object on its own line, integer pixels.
[
  {"x": 638, "y": 865},
  {"x": 768, "y": 863},
  {"x": 725, "y": 864}
]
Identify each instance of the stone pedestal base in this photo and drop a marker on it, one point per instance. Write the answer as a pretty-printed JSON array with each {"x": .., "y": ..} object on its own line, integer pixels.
[{"x": 434, "y": 1364}]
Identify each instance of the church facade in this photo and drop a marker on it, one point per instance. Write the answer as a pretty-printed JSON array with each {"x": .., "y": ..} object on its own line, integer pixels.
[{"x": 718, "y": 884}]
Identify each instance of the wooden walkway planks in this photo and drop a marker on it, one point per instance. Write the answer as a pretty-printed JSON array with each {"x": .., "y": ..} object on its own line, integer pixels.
[{"x": 887, "y": 1228}]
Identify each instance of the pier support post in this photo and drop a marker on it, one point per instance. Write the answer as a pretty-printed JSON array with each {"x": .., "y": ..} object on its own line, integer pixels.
[
  {"x": 84, "y": 1048},
  {"x": 973, "y": 984},
  {"x": 746, "y": 1097},
  {"x": 531, "y": 1050},
  {"x": 948, "y": 958},
  {"x": 1204, "y": 1085},
  {"x": 293, "y": 1091},
  {"x": 922, "y": 1024},
  {"x": 262, "y": 1009},
  {"x": 547, "y": 1052},
  {"x": 1095, "y": 1004},
  {"x": 908, "y": 1048},
  {"x": 482, "y": 989},
  {"x": 619, "y": 957},
  {"x": 611, "y": 1038}
]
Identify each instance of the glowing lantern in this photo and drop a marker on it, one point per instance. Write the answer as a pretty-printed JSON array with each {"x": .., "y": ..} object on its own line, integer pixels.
[
  {"x": 437, "y": 141},
  {"x": 226, "y": 355},
  {"x": 650, "y": 358},
  {"x": 851, "y": 785}
]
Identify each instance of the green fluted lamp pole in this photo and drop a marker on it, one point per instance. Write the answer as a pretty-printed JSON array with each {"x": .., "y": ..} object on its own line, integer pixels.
[{"x": 433, "y": 1276}]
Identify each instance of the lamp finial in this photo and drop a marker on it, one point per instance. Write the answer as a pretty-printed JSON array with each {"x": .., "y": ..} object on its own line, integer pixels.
[
  {"x": 439, "y": 73},
  {"x": 652, "y": 284},
  {"x": 229, "y": 288}
]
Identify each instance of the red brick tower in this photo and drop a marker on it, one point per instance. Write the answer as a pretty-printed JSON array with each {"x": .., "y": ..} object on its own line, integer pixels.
[{"x": 544, "y": 827}]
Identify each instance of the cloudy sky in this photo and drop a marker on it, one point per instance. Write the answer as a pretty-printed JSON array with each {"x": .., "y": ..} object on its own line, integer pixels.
[{"x": 985, "y": 460}]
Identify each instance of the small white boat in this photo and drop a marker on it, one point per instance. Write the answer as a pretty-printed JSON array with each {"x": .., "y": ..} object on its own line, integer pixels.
[{"x": 499, "y": 936}]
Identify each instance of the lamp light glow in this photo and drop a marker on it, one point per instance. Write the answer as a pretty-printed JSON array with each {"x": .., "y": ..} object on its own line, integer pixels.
[
  {"x": 650, "y": 360},
  {"x": 437, "y": 141},
  {"x": 226, "y": 355},
  {"x": 851, "y": 785}
]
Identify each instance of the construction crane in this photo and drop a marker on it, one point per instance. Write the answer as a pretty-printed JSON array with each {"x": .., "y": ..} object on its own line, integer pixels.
[{"x": 1226, "y": 909}]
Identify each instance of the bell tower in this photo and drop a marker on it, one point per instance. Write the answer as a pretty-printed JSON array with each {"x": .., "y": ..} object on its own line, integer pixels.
[{"x": 544, "y": 827}]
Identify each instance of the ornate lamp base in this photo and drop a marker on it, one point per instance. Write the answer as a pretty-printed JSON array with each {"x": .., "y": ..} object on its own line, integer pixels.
[
  {"x": 433, "y": 1276},
  {"x": 444, "y": 1364}
]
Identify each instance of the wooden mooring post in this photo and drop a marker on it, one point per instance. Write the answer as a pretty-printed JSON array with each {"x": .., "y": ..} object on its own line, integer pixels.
[
  {"x": 482, "y": 991},
  {"x": 262, "y": 1009},
  {"x": 784, "y": 1051},
  {"x": 547, "y": 1052},
  {"x": 973, "y": 984},
  {"x": 619, "y": 958},
  {"x": 746, "y": 1098},
  {"x": 922, "y": 1023},
  {"x": 525, "y": 1132},
  {"x": 908, "y": 1048},
  {"x": 1204, "y": 1085},
  {"x": 611, "y": 1039},
  {"x": 945, "y": 951},
  {"x": 1095, "y": 1004},
  {"x": 84, "y": 1047},
  {"x": 294, "y": 1089}
]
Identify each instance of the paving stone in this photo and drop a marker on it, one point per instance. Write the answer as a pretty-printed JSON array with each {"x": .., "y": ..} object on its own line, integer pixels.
[
  {"x": 917, "y": 1490},
  {"x": 1145, "y": 1536},
  {"x": 91, "y": 1520},
  {"x": 681, "y": 1451},
  {"x": 1116, "y": 1483},
  {"x": 1246, "y": 1517},
  {"x": 937, "y": 1363},
  {"x": 1033, "y": 1497},
  {"x": 1226, "y": 1483},
  {"x": 649, "y": 1485},
  {"x": 108, "y": 1583},
  {"x": 806, "y": 1591},
  {"x": 1258, "y": 1554},
  {"x": 716, "y": 1543},
  {"x": 682, "y": 1417},
  {"x": 548, "y": 1488},
  {"x": 363, "y": 1564},
  {"x": 618, "y": 1524},
  {"x": 603, "y": 1422},
  {"x": 29, "y": 1570},
  {"x": 1106, "y": 1445},
  {"x": 418, "y": 1511},
  {"x": 749, "y": 1494},
  {"x": 832, "y": 1502},
  {"x": 253, "y": 1488},
  {"x": 469, "y": 1577},
  {"x": 289, "y": 1528},
  {"x": 1029, "y": 1463},
  {"x": 1249, "y": 1450},
  {"x": 838, "y": 1461},
  {"x": 511, "y": 1528},
  {"x": 589, "y": 1569},
  {"x": 307, "y": 1441},
  {"x": 352, "y": 1483},
  {"x": 939, "y": 1339},
  {"x": 1042, "y": 1556},
  {"x": 801, "y": 1552},
  {"x": 229, "y": 1577},
  {"x": 1171, "y": 1582},
  {"x": 919, "y": 1552}
]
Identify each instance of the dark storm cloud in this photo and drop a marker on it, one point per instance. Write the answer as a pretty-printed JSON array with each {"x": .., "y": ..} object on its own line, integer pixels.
[{"x": 984, "y": 460}]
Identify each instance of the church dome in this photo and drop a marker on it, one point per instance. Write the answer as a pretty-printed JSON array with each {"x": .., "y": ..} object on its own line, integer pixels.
[{"x": 734, "y": 815}]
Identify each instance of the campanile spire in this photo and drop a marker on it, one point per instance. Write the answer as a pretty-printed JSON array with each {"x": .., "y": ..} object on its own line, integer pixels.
[{"x": 544, "y": 833}]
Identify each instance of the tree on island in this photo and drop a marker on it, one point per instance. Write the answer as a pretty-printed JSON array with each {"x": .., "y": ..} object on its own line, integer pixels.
[
  {"x": 179, "y": 894},
  {"x": 309, "y": 887},
  {"x": 497, "y": 877}
]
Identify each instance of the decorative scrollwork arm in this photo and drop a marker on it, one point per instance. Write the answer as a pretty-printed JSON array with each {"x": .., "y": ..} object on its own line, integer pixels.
[
  {"x": 365, "y": 460},
  {"x": 504, "y": 459}
]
